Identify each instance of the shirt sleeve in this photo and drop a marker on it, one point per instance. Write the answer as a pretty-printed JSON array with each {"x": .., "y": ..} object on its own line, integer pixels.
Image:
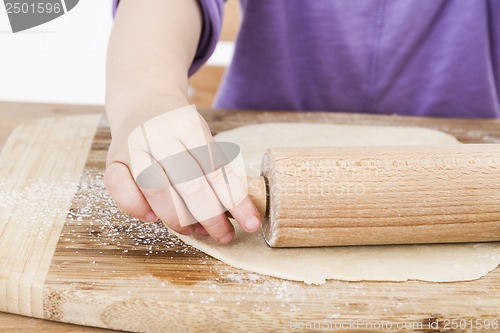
[{"x": 212, "y": 14}]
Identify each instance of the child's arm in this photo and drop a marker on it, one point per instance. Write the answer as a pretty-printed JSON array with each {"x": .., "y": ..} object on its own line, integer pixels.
[{"x": 152, "y": 46}]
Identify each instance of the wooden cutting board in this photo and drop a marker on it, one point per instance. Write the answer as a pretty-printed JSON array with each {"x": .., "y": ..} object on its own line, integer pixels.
[{"x": 67, "y": 254}]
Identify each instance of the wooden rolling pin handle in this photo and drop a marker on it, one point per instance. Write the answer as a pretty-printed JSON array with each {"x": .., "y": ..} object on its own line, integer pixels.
[{"x": 257, "y": 190}]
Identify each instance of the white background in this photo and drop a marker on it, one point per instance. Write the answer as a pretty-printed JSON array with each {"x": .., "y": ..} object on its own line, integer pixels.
[{"x": 63, "y": 61}]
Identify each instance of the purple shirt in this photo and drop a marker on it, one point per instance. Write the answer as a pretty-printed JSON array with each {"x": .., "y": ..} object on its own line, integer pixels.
[{"x": 411, "y": 57}]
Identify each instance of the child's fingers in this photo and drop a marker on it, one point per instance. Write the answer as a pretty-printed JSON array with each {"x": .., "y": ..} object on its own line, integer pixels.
[
  {"x": 234, "y": 196},
  {"x": 219, "y": 228},
  {"x": 170, "y": 208},
  {"x": 206, "y": 208},
  {"x": 247, "y": 215},
  {"x": 200, "y": 230},
  {"x": 123, "y": 189}
]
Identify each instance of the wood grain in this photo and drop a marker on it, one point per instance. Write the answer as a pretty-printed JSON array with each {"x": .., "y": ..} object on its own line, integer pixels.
[
  {"x": 111, "y": 271},
  {"x": 37, "y": 159},
  {"x": 333, "y": 196},
  {"x": 14, "y": 114}
]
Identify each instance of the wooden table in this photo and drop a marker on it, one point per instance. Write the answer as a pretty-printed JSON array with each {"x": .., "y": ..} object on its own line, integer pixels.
[{"x": 466, "y": 297}]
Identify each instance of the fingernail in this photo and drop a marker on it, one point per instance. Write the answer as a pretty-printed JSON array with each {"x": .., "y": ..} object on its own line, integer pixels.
[
  {"x": 227, "y": 238},
  {"x": 252, "y": 223},
  {"x": 151, "y": 217}
]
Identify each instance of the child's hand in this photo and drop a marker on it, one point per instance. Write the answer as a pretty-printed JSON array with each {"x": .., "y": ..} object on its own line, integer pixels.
[
  {"x": 152, "y": 47},
  {"x": 148, "y": 183}
]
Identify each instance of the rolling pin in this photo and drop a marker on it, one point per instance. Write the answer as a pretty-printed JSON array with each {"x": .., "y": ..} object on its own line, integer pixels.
[{"x": 336, "y": 196}]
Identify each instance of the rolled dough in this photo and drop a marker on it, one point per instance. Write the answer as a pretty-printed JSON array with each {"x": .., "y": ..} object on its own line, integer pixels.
[{"x": 439, "y": 263}]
